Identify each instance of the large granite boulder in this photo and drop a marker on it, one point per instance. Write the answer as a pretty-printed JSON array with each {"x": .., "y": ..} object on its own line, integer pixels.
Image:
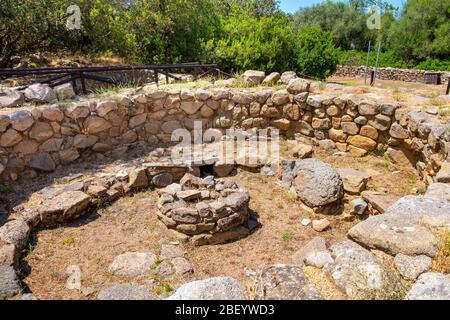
[
  {"x": 282, "y": 282},
  {"x": 220, "y": 288},
  {"x": 430, "y": 286},
  {"x": 405, "y": 227},
  {"x": 42, "y": 93},
  {"x": 316, "y": 183},
  {"x": 358, "y": 273}
]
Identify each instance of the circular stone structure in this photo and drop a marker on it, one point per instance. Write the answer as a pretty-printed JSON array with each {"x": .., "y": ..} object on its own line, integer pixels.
[{"x": 207, "y": 210}]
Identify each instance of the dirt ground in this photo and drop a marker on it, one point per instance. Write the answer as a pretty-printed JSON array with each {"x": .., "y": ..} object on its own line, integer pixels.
[{"x": 130, "y": 224}]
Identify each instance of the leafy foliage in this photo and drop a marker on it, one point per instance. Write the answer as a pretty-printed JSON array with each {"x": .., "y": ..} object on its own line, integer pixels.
[{"x": 316, "y": 55}]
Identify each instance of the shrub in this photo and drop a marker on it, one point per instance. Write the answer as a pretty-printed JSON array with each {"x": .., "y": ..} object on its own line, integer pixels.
[{"x": 316, "y": 55}]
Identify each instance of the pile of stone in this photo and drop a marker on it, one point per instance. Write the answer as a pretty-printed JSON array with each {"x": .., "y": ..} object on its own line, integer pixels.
[
  {"x": 36, "y": 93},
  {"x": 407, "y": 75},
  {"x": 207, "y": 210}
]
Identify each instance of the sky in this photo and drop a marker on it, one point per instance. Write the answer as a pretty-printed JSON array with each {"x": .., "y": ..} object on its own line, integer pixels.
[{"x": 292, "y": 6}]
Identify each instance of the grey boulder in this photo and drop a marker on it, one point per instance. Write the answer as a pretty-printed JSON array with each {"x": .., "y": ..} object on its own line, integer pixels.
[
  {"x": 430, "y": 286},
  {"x": 405, "y": 227},
  {"x": 316, "y": 183},
  {"x": 220, "y": 288}
]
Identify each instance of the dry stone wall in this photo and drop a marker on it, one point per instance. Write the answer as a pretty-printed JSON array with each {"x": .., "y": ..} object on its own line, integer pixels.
[
  {"x": 44, "y": 137},
  {"x": 408, "y": 75}
]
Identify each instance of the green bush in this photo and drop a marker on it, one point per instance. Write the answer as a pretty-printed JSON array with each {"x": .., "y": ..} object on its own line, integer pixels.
[
  {"x": 316, "y": 55},
  {"x": 359, "y": 58},
  {"x": 245, "y": 42},
  {"x": 434, "y": 64}
]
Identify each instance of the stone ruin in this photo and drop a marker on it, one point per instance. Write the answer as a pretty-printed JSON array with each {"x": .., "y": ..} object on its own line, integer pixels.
[{"x": 207, "y": 210}]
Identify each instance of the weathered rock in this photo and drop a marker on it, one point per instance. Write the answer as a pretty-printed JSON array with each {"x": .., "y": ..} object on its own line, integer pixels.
[
  {"x": 82, "y": 141},
  {"x": 280, "y": 97},
  {"x": 319, "y": 259},
  {"x": 360, "y": 275},
  {"x": 370, "y": 132},
  {"x": 64, "y": 207},
  {"x": 162, "y": 180},
  {"x": 359, "y": 206},
  {"x": 354, "y": 181},
  {"x": 133, "y": 264},
  {"x": 381, "y": 122},
  {"x": 350, "y": 128},
  {"x": 15, "y": 232},
  {"x": 430, "y": 286},
  {"x": 282, "y": 282},
  {"x": 138, "y": 179},
  {"x": 337, "y": 135},
  {"x": 444, "y": 174},
  {"x": 438, "y": 191},
  {"x": 94, "y": 124},
  {"x": 380, "y": 201},
  {"x": 287, "y": 76},
  {"x": 272, "y": 78},
  {"x": 53, "y": 113},
  {"x": 404, "y": 228},
  {"x": 64, "y": 91},
  {"x": 11, "y": 98},
  {"x": 10, "y": 138},
  {"x": 411, "y": 267},
  {"x": 9, "y": 283},
  {"x": 40, "y": 93},
  {"x": 253, "y": 76},
  {"x": 314, "y": 245},
  {"x": 398, "y": 132},
  {"x": 68, "y": 156},
  {"x": 41, "y": 131},
  {"x": 302, "y": 151},
  {"x": 126, "y": 291},
  {"x": 21, "y": 120},
  {"x": 191, "y": 107},
  {"x": 220, "y": 288},
  {"x": 296, "y": 86},
  {"x": 42, "y": 162},
  {"x": 316, "y": 183},
  {"x": 362, "y": 142},
  {"x": 321, "y": 225}
]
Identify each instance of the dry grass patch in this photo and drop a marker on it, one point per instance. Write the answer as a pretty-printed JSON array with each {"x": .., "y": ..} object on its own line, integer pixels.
[{"x": 441, "y": 262}]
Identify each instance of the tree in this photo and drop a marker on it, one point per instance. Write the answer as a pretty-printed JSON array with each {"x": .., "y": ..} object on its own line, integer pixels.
[
  {"x": 28, "y": 25},
  {"x": 316, "y": 55},
  {"x": 422, "y": 30},
  {"x": 245, "y": 42}
]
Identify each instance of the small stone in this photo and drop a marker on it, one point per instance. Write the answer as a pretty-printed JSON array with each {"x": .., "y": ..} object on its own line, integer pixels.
[
  {"x": 170, "y": 251},
  {"x": 306, "y": 222},
  {"x": 162, "y": 180},
  {"x": 65, "y": 91},
  {"x": 254, "y": 77},
  {"x": 359, "y": 206},
  {"x": 40, "y": 93},
  {"x": 321, "y": 225}
]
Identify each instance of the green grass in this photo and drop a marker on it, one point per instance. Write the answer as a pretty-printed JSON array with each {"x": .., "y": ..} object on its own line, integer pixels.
[
  {"x": 69, "y": 241},
  {"x": 288, "y": 235}
]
